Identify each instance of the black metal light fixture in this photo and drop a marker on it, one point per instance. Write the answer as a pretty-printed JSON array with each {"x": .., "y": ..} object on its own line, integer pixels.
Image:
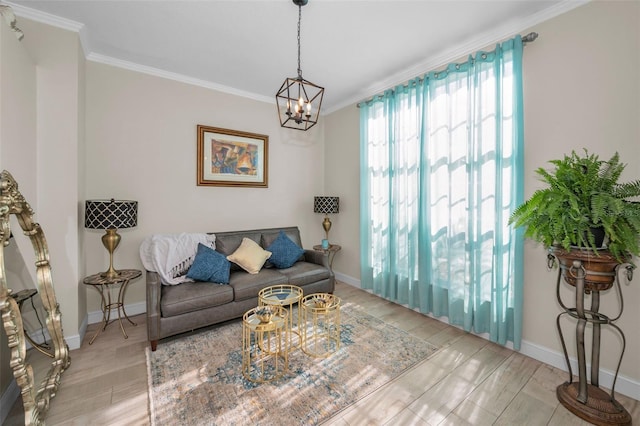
[{"x": 298, "y": 100}]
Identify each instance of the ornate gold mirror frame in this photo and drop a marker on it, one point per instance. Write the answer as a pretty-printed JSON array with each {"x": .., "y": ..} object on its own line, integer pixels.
[{"x": 35, "y": 396}]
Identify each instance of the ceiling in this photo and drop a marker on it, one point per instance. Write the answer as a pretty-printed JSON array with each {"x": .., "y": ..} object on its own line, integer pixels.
[{"x": 354, "y": 48}]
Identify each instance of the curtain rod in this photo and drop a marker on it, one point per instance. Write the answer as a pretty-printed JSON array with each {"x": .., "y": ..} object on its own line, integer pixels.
[{"x": 529, "y": 38}]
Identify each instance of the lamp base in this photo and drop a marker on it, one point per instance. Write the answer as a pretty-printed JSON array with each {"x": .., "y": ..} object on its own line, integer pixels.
[
  {"x": 326, "y": 224},
  {"x": 110, "y": 240},
  {"x": 110, "y": 274}
]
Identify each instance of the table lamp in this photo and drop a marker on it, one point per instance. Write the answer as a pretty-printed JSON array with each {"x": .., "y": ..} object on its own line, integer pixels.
[
  {"x": 110, "y": 215},
  {"x": 326, "y": 205}
]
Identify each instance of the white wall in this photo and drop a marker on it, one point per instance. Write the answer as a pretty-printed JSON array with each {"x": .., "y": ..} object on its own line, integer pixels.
[
  {"x": 59, "y": 139},
  {"x": 342, "y": 178},
  {"x": 581, "y": 90},
  {"x": 141, "y": 145},
  {"x": 18, "y": 157}
]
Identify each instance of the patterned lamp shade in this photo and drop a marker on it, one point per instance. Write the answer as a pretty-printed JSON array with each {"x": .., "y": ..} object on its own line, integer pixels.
[
  {"x": 326, "y": 205},
  {"x": 110, "y": 214}
]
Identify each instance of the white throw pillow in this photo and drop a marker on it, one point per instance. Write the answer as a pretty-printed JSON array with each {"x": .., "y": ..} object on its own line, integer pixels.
[{"x": 249, "y": 256}]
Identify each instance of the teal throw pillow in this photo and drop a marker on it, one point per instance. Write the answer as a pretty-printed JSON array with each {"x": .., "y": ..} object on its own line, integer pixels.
[
  {"x": 210, "y": 266},
  {"x": 284, "y": 252}
]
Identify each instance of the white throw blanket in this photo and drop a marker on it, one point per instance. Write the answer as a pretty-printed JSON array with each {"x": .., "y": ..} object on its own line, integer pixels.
[{"x": 171, "y": 256}]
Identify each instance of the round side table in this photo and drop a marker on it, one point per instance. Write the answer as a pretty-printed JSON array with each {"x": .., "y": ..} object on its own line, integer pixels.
[
  {"x": 287, "y": 296},
  {"x": 103, "y": 285},
  {"x": 264, "y": 346},
  {"x": 331, "y": 251},
  {"x": 321, "y": 324}
]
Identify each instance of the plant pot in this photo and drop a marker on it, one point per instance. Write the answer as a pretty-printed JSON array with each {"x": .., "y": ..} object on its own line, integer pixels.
[
  {"x": 600, "y": 269},
  {"x": 598, "y": 236}
]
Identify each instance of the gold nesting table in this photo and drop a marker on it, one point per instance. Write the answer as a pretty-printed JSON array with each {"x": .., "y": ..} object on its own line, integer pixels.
[
  {"x": 264, "y": 345},
  {"x": 283, "y": 321},
  {"x": 321, "y": 319},
  {"x": 286, "y": 296}
]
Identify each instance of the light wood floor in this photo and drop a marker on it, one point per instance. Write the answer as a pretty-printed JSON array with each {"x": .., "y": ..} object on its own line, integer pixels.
[{"x": 468, "y": 381}]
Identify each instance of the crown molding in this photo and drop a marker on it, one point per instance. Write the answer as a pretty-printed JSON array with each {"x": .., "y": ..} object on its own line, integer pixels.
[
  {"x": 45, "y": 18},
  {"x": 132, "y": 66},
  {"x": 70, "y": 25},
  {"x": 54, "y": 21},
  {"x": 454, "y": 53},
  {"x": 463, "y": 49}
]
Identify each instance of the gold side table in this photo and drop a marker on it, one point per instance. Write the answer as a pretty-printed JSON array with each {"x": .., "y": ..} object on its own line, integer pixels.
[
  {"x": 103, "y": 285},
  {"x": 321, "y": 324},
  {"x": 331, "y": 251},
  {"x": 286, "y": 296},
  {"x": 264, "y": 346}
]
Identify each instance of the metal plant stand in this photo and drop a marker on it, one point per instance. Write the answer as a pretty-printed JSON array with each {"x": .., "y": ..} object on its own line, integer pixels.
[{"x": 587, "y": 400}]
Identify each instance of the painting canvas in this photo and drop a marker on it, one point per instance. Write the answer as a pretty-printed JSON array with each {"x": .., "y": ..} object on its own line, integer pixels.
[{"x": 231, "y": 158}]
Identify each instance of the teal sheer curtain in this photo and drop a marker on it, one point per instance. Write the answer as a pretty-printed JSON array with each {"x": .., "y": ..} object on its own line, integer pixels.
[{"x": 441, "y": 172}]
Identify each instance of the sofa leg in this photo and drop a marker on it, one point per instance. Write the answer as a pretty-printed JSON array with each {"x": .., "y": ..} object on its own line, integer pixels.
[{"x": 154, "y": 345}]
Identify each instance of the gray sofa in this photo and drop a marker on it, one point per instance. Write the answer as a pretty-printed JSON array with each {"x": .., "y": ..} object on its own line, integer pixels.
[{"x": 180, "y": 308}]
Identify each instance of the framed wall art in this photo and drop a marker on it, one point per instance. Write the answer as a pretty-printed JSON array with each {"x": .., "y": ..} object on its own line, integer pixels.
[{"x": 232, "y": 158}]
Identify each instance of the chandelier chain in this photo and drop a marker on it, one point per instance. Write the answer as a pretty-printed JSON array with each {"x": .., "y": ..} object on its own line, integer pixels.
[{"x": 299, "y": 19}]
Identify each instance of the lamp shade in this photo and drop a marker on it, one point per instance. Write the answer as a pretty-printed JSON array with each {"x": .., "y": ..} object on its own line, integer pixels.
[
  {"x": 110, "y": 214},
  {"x": 326, "y": 205}
]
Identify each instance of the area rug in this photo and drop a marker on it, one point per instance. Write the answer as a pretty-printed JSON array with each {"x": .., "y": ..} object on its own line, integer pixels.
[{"x": 197, "y": 379}]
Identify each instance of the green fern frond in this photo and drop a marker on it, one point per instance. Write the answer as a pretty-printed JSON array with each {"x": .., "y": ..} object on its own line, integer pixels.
[{"x": 583, "y": 193}]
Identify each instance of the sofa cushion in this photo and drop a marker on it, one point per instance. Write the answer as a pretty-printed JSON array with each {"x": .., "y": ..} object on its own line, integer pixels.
[
  {"x": 210, "y": 266},
  {"x": 190, "y": 297},
  {"x": 250, "y": 256},
  {"x": 269, "y": 236},
  {"x": 302, "y": 273},
  {"x": 284, "y": 252},
  {"x": 227, "y": 243},
  {"x": 246, "y": 286}
]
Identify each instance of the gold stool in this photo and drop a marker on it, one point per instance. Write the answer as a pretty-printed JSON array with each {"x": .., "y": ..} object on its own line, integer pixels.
[
  {"x": 321, "y": 319},
  {"x": 264, "y": 346},
  {"x": 287, "y": 296}
]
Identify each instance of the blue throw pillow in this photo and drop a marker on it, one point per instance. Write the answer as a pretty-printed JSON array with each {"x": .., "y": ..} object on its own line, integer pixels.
[
  {"x": 209, "y": 265},
  {"x": 284, "y": 251}
]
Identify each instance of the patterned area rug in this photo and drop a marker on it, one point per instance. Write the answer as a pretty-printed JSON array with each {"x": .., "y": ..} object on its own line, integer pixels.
[{"x": 197, "y": 379}]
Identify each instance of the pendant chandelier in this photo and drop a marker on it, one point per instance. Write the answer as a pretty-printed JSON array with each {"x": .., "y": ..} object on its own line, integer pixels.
[{"x": 299, "y": 100}]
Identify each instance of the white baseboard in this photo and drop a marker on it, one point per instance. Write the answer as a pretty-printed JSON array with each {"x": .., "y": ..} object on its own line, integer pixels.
[
  {"x": 131, "y": 310},
  {"x": 75, "y": 341},
  {"x": 347, "y": 279},
  {"x": 624, "y": 385}
]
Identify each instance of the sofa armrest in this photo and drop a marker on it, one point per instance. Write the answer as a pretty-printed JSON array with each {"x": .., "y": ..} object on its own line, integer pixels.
[
  {"x": 317, "y": 257},
  {"x": 154, "y": 291}
]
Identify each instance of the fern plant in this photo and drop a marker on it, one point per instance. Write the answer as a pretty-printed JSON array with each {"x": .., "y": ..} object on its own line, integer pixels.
[{"x": 582, "y": 195}]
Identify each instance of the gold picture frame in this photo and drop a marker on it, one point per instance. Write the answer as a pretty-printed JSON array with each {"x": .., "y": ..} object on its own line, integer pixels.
[
  {"x": 38, "y": 381},
  {"x": 232, "y": 158}
]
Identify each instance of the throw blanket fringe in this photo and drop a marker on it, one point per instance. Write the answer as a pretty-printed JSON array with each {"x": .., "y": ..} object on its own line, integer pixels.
[{"x": 171, "y": 255}]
